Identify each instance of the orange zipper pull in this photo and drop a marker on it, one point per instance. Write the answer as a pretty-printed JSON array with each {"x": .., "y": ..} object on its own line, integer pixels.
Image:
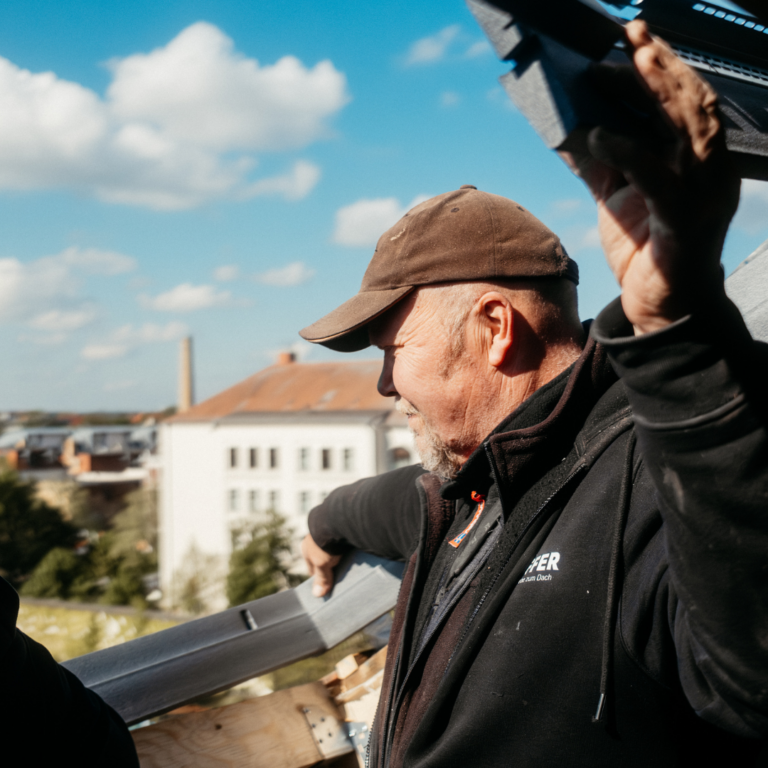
[{"x": 480, "y": 501}]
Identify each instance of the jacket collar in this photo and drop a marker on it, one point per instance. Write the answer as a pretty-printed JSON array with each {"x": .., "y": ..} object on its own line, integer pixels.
[{"x": 543, "y": 428}]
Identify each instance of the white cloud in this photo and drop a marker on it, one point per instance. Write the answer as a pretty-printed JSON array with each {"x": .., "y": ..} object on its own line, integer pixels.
[
  {"x": 291, "y": 274},
  {"x": 581, "y": 238},
  {"x": 295, "y": 184},
  {"x": 45, "y": 339},
  {"x": 198, "y": 89},
  {"x": 480, "y": 48},
  {"x": 45, "y": 294},
  {"x": 226, "y": 273},
  {"x": 187, "y": 298},
  {"x": 98, "y": 262},
  {"x": 126, "y": 338},
  {"x": 151, "y": 332},
  {"x": 430, "y": 49},
  {"x": 449, "y": 98},
  {"x": 26, "y": 289},
  {"x": 103, "y": 351},
  {"x": 57, "y": 320},
  {"x": 752, "y": 216},
  {"x": 362, "y": 223},
  {"x": 179, "y": 126}
]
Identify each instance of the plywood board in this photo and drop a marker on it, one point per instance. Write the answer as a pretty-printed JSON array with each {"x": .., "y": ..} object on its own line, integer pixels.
[
  {"x": 365, "y": 671},
  {"x": 267, "y": 732}
]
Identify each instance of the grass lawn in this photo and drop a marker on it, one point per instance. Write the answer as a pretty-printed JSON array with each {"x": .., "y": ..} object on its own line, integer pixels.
[{"x": 69, "y": 632}]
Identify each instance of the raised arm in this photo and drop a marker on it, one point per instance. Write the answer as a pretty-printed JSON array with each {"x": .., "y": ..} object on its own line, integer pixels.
[
  {"x": 665, "y": 198},
  {"x": 695, "y": 380}
]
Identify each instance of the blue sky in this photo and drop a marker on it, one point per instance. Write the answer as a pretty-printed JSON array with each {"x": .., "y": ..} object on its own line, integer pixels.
[{"x": 222, "y": 169}]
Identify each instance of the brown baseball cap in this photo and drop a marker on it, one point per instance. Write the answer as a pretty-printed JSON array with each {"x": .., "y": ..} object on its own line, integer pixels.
[{"x": 455, "y": 237}]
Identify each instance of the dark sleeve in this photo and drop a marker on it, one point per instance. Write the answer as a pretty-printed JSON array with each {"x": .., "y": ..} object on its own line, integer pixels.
[
  {"x": 380, "y": 515},
  {"x": 46, "y": 712},
  {"x": 698, "y": 391}
]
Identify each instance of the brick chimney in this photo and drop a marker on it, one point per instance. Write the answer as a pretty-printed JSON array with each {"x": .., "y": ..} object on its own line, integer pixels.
[{"x": 286, "y": 358}]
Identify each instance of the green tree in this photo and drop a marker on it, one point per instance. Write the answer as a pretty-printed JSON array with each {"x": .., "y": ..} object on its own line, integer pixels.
[
  {"x": 258, "y": 567},
  {"x": 125, "y": 585},
  {"x": 79, "y": 508},
  {"x": 60, "y": 574},
  {"x": 131, "y": 548},
  {"x": 113, "y": 567},
  {"x": 197, "y": 581},
  {"x": 136, "y": 525},
  {"x": 29, "y": 528}
]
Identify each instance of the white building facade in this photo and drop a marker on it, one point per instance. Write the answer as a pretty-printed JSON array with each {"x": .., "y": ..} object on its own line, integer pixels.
[{"x": 282, "y": 440}]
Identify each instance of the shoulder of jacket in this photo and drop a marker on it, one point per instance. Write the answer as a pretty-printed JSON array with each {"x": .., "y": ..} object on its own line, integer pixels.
[{"x": 609, "y": 419}]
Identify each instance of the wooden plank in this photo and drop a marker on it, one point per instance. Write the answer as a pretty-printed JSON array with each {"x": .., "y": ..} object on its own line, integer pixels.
[
  {"x": 369, "y": 686},
  {"x": 362, "y": 710},
  {"x": 346, "y": 666},
  {"x": 365, "y": 671},
  {"x": 270, "y": 732}
]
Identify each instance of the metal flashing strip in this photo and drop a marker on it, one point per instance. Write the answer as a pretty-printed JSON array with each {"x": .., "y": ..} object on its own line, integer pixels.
[{"x": 159, "y": 672}]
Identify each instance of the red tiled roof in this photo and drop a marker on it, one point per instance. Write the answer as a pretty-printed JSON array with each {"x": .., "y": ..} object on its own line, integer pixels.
[{"x": 297, "y": 387}]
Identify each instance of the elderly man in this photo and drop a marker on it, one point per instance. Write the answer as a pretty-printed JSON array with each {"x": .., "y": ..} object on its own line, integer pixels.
[{"x": 586, "y": 542}]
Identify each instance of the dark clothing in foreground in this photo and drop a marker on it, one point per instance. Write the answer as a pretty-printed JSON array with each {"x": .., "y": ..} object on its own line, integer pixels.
[
  {"x": 47, "y": 716},
  {"x": 619, "y": 567}
]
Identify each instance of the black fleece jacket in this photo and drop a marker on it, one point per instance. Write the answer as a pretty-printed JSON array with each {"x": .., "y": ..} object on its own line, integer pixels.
[
  {"x": 630, "y": 581},
  {"x": 47, "y": 716}
]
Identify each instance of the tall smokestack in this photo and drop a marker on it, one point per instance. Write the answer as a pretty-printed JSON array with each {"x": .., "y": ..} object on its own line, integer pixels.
[{"x": 186, "y": 389}]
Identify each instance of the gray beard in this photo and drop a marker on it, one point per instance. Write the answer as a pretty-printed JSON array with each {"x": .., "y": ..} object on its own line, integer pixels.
[{"x": 435, "y": 453}]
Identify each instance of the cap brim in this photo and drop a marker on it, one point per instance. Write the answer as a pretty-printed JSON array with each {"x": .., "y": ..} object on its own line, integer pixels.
[{"x": 346, "y": 328}]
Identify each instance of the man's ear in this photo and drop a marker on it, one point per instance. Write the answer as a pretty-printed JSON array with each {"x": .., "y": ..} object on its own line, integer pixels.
[{"x": 497, "y": 318}]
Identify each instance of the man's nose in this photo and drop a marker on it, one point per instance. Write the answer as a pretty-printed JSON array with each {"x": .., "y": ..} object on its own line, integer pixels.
[{"x": 386, "y": 386}]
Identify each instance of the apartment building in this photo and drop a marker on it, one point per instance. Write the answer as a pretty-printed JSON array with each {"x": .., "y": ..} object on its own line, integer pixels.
[{"x": 282, "y": 439}]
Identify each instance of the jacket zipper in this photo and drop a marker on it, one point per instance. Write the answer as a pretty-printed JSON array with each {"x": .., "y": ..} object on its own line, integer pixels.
[
  {"x": 423, "y": 644},
  {"x": 506, "y": 562},
  {"x": 396, "y": 666}
]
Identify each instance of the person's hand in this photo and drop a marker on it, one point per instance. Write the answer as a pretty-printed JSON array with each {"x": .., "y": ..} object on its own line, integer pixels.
[
  {"x": 320, "y": 565},
  {"x": 665, "y": 200}
]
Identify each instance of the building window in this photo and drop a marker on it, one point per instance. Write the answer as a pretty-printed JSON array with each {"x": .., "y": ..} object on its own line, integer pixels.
[
  {"x": 325, "y": 458},
  {"x": 323, "y": 496},
  {"x": 305, "y": 502},
  {"x": 232, "y": 457},
  {"x": 349, "y": 459},
  {"x": 303, "y": 459},
  {"x": 253, "y": 501},
  {"x": 274, "y": 500},
  {"x": 274, "y": 458},
  {"x": 234, "y": 500},
  {"x": 253, "y": 458}
]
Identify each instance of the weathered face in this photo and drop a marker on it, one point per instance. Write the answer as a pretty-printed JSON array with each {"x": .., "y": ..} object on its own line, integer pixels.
[{"x": 432, "y": 390}]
